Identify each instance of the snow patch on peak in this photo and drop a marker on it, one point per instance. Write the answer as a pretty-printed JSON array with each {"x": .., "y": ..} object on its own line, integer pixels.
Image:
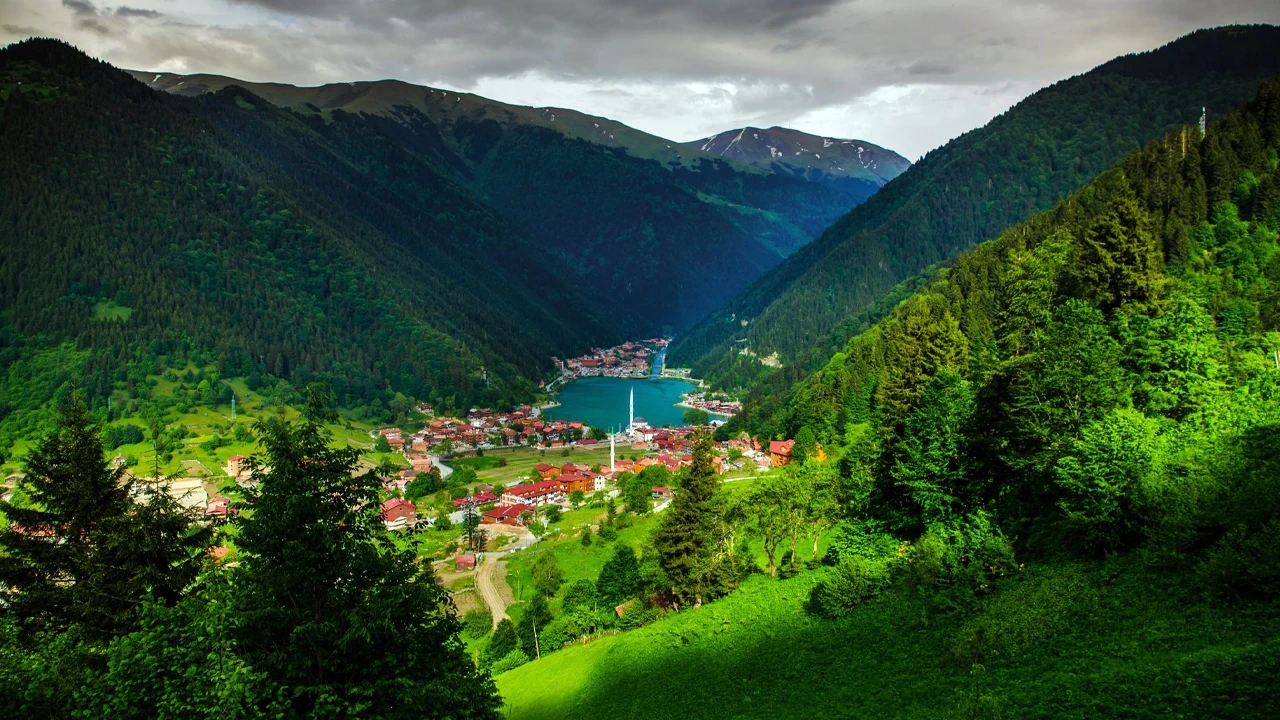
[
  {"x": 154, "y": 79},
  {"x": 826, "y": 142},
  {"x": 774, "y": 152}
]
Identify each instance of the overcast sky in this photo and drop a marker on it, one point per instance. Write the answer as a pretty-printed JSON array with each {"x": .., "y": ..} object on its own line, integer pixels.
[{"x": 906, "y": 74}]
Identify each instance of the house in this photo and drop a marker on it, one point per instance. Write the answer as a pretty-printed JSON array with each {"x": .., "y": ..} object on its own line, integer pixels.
[
  {"x": 398, "y": 514},
  {"x": 548, "y": 472},
  {"x": 466, "y": 561},
  {"x": 477, "y": 500},
  {"x": 598, "y": 483},
  {"x": 577, "y": 481},
  {"x": 237, "y": 464},
  {"x": 546, "y": 492},
  {"x": 506, "y": 514},
  {"x": 661, "y": 492},
  {"x": 780, "y": 452},
  {"x": 220, "y": 507}
]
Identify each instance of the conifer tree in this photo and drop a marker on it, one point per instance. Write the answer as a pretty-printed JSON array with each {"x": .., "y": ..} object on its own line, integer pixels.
[
  {"x": 685, "y": 540},
  {"x": 329, "y": 609},
  {"x": 85, "y": 553}
]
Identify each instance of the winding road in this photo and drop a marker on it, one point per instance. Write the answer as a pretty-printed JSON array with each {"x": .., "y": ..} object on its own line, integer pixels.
[{"x": 488, "y": 590}]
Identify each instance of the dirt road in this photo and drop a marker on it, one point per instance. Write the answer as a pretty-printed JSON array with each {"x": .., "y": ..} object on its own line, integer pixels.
[{"x": 488, "y": 590}]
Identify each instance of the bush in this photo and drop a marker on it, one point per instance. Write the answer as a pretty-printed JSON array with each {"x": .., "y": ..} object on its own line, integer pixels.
[
  {"x": 969, "y": 552},
  {"x": 477, "y": 623},
  {"x": 504, "y": 641},
  {"x": 113, "y": 436},
  {"x": 510, "y": 661},
  {"x": 608, "y": 534},
  {"x": 547, "y": 575},
  {"x": 854, "y": 580}
]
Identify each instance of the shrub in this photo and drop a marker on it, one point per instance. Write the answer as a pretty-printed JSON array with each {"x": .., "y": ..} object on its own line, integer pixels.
[
  {"x": 477, "y": 623},
  {"x": 608, "y": 534},
  {"x": 855, "y": 580},
  {"x": 510, "y": 661}
]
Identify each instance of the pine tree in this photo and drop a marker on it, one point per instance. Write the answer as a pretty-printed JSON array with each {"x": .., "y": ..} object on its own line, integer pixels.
[
  {"x": 1120, "y": 261},
  {"x": 685, "y": 541},
  {"x": 328, "y": 607},
  {"x": 86, "y": 554}
]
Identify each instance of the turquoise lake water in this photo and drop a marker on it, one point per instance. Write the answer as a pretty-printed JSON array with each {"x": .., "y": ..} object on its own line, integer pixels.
[{"x": 602, "y": 401}]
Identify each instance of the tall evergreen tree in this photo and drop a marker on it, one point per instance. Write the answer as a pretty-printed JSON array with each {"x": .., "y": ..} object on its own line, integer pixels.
[
  {"x": 329, "y": 608},
  {"x": 685, "y": 539},
  {"x": 84, "y": 553}
]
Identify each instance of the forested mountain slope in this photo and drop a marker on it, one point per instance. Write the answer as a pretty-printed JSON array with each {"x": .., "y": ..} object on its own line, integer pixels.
[
  {"x": 1053, "y": 474},
  {"x": 294, "y": 246},
  {"x": 651, "y": 229},
  {"x": 971, "y": 189}
]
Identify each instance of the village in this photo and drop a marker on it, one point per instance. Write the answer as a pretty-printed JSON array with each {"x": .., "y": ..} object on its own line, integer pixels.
[{"x": 631, "y": 359}]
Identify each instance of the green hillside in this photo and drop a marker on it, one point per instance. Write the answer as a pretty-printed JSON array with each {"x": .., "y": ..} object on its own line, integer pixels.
[
  {"x": 145, "y": 226},
  {"x": 1052, "y": 485},
  {"x": 970, "y": 189},
  {"x": 657, "y": 232}
]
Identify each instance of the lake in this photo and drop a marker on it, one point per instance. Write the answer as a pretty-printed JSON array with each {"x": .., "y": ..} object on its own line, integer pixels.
[{"x": 602, "y": 401}]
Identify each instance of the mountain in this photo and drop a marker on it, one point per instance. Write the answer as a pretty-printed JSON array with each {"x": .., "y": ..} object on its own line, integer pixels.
[
  {"x": 152, "y": 229},
  {"x": 854, "y": 164},
  {"x": 655, "y": 231},
  {"x": 1054, "y": 476},
  {"x": 970, "y": 189}
]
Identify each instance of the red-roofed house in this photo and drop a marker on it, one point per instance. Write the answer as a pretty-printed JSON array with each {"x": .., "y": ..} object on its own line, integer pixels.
[
  {"x": 483, "y": 498},
  {"x": 548, "y": 472},
  {"x": 220, "y": 507},
  {"x": 546, "y": 492},
  {"x": 465, "y": 561},
  {"x": 780, "y": 452},
  {"x": 506, "y": 514},
  {"x": 661, "y": 492},
  {"x": 399, "y": 513}
]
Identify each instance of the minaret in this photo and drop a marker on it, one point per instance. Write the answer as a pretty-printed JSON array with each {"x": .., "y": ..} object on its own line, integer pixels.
[
  {"x": 612, "y": 437},
  {"x": 631, "y": 412},
  {"x": 1202, "y": 123}
]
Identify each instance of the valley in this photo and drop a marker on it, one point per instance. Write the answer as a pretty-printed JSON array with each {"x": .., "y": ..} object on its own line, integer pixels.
[{"x": 387, "y": 399}]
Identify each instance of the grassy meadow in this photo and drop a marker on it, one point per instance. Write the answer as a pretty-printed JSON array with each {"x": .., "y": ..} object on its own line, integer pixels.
[{"x": 1057, "y": 641}]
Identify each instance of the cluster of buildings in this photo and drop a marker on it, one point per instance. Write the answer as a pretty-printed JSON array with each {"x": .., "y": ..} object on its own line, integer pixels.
[
  {"x": 484, "y": 429},
  {"x": 699, "y": 400},
  {"x": 628, "y": 360}
]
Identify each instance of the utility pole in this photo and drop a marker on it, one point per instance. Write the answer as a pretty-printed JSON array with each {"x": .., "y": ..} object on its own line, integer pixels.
[{"x": 536, "y": 649}]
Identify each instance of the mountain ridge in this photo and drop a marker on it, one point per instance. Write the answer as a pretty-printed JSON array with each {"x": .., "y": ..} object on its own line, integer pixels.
[
  {"x": 556, "y": 175},
  {"x": 1050, "y": 143},
  {"x": 815, "y": 157}
]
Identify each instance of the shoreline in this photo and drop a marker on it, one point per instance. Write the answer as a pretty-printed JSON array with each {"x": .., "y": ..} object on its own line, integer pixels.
[{"x": 687, "y": 406}]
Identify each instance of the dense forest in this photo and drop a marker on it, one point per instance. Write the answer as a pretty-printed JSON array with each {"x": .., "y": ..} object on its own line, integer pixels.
[
  {"x": 969, "y": 190},
  {"x": 655, "y": 232},
  {"x": 1100, "y": 377},
  {"x": 1046, "y": 485},
  {"x": 144, "y": 226}
]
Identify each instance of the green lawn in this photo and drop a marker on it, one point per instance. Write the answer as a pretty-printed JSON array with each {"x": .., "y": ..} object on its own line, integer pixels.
[
  {"x": 1060, "y": 641},
  {"x": 108, "y": 310},
  {"x": 521, "y": 461},
  {"x": 577, "y": 562}
]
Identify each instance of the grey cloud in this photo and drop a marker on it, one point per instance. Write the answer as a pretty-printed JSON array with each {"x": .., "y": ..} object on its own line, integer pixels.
[
  {"x": 80, "y": 7},
  {"x": 648, "y": 61},
  {"x": 929, "y": 68},
  {"x": 126, "y": 11}
]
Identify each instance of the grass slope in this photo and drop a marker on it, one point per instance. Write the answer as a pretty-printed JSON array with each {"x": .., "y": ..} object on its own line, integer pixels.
[{"x": 1108, "y": 639}]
